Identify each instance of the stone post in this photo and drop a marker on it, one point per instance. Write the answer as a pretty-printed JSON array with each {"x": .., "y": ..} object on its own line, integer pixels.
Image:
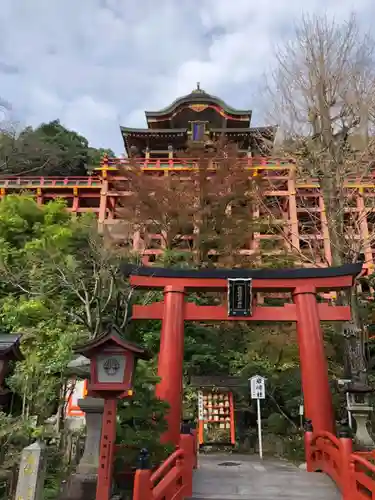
[
  {"x": 361, "y": 415},
  {"x": 82, "y": 484},
  {"x": 31, "y": 477},
  {"x": 93, "y": 408}
]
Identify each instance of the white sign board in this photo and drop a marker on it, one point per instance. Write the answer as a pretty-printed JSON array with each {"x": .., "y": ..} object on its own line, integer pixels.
[
  {"x": 200, "y": 406},
  {"x": 258, "y": 392},
  {"x": 258, "y": 387},
  {"x": 344, "y": 381}
]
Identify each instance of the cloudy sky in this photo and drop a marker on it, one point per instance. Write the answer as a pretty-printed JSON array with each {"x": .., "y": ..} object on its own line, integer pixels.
[{"x": 96, "y": 64}]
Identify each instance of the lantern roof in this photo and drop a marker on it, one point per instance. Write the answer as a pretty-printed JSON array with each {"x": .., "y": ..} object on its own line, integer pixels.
[
  {"x": 111, "y": 337},
  {"x": 79, "y": 366},
  {"x": 10, "y": 347}
]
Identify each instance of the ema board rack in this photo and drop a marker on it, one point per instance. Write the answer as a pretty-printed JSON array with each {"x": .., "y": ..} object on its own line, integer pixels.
[{"x": 216, "y": 418}]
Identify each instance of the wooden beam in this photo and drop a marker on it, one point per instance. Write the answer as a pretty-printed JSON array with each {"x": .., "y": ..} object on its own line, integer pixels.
[
  {"x": 286, "y": 313},
  {"x": 260, "y": 285}
]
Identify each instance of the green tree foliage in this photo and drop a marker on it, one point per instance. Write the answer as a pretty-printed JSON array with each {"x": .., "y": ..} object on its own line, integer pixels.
[
  {"x": 48, "y": 150},
  {"x": 61, "y": 285},
  {"x": 58, "y": 279},
  {"x": 60, "y": 282},
  {"x": 47, "y": 256},
  {"x": 136, "y": 428},
  {"x": 32, "y": 300}
]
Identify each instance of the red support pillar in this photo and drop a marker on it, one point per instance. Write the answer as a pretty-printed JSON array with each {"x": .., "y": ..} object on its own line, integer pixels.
[
  {"x": 314, "y": 371},
  {"x": 308, "y": 437},
  {"x": 171, "y": 357},
  {"x": 187, "y": 444},
  {"x": 346, "y": 477},
  {"x": 107, "y": 447}
]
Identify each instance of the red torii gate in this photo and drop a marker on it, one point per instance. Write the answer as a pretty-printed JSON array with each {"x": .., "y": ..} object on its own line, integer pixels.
[{"x": 303, "y": 284}]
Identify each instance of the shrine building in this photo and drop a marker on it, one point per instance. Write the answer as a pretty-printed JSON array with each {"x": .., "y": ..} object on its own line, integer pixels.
[
  {"x": 161, "y": 149},
  {"x": 197, "y": 117}
]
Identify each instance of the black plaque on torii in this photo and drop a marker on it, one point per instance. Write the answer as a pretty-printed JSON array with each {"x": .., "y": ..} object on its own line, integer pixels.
[{"x": 240, "y": 297}]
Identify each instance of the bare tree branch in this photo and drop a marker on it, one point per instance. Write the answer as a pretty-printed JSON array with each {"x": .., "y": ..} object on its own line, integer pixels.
[{"x": 322, "y": 93}]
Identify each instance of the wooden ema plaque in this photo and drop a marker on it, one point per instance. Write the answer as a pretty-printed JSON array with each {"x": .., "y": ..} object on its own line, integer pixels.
[{"x": 216, "y": 416}]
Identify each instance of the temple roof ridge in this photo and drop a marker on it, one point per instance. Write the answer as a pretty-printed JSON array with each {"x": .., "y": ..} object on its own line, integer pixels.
[{"x": 198, "y": 95}]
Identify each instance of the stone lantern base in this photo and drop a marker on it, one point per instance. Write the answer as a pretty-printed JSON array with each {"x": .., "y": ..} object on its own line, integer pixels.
[
  {"x": 82, "y": 484},
  {"x": 79, "y": 487}
]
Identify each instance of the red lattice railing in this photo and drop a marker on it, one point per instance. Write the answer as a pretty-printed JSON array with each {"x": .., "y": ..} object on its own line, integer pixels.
[
  {"x": 173, "y": 480},
  {"x": 362, "y": 474},
  {"x": 189, "y": 163},
  {"x": 353, "y": 473},
  {"x": 269, "y": 166},
  {"x": 59, "y": 182}
]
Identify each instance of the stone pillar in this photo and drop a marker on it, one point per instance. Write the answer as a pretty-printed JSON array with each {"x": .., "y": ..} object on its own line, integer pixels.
[
  {"x": 93, "y": 408},
  {"x": 82, "y": 484},
  {"x": 31, "y": 477}
]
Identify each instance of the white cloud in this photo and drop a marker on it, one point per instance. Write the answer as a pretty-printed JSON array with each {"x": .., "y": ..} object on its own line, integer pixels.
[{"x": 98, "y": 63}]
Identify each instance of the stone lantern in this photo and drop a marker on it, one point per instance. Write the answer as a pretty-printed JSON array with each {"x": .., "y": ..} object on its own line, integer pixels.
[
  {"x": 359, "y": 409},
  {"x": 109, "y": 362},
  {"x": 113, "y": 361},
  {"x": 355, "y": 385}
]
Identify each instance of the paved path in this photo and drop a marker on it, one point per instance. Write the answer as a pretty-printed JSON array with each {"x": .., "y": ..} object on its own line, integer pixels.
[{"x": 255, "y": 479}]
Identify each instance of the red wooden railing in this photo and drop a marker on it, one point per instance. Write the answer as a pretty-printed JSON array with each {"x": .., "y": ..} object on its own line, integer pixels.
[
  {"x": 270, "y": 167},
  {"x": 353, "y": 473},
  {"x": 95, "y": 181},
  {"x": 190, "y": 162},
  {"x": 30, "y": 181},
  {"x": 173, "y": 480}
]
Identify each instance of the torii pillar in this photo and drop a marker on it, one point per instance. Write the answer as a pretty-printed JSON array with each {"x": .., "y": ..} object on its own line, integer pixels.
[{"x": 171, "y": 359}]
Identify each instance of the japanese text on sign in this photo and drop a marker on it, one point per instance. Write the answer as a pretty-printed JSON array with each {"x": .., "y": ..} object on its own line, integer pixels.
[
  {"x": 239, "y": 297},
  {"x": 200, "y": 406},
  {"x": 258, "y": 387}
]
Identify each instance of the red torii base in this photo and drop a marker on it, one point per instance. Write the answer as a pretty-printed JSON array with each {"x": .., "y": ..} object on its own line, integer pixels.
[{"x": 303, "y": 284}]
